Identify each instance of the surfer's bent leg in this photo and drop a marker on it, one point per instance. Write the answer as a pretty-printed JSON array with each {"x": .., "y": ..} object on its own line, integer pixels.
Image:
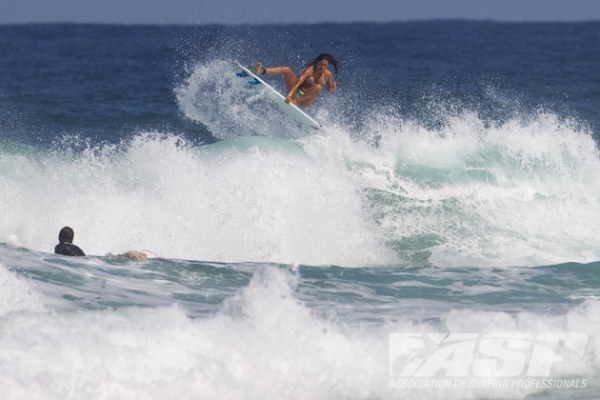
[
  {"x": 288, "y": 74},
  {"x": 309, "y": 96}
]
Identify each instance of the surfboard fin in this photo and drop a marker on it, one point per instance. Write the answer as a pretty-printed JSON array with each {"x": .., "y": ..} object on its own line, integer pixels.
[
  {"x": 242, "y": 74},
  {"x": 254, "y": 82}
]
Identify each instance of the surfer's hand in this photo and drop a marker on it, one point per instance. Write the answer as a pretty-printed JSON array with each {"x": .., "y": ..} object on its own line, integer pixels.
[{"x": 289, "y": 100}]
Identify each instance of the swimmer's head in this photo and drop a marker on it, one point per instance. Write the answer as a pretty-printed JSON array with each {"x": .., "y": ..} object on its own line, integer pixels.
[{"x": 66, "y": 235}]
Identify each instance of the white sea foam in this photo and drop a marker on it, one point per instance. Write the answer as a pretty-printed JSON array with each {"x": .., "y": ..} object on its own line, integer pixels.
[
  {"x": 17, "y": 294},
  {"x": 523, "y": 192},
  {"x": 469, "y": 192},
  {"x": 263, "y": 343},
  {"x": 236, "y": 201},
  {"x": 519, "y": 193}
]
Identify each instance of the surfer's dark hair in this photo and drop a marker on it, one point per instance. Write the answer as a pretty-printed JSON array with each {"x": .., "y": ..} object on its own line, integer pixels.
[
  {"x": 66, "y": 234},
  {"x": 330, "y": 59}
]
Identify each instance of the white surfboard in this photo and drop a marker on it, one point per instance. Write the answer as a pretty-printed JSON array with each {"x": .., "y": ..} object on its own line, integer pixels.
[{"x": 290, "y": 109}]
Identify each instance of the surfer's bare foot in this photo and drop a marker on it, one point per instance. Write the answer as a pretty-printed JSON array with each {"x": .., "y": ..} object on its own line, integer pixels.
[{"x": 258, "y": 69}]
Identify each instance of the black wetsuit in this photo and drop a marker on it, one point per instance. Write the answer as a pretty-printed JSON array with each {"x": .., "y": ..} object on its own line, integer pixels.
[{"x": 68, "y": 249}]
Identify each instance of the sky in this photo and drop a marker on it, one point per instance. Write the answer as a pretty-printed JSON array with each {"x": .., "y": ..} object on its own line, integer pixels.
[{"x": 285, "y": 11}]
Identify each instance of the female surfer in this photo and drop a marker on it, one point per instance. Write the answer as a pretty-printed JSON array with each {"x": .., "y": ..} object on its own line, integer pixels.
[{"x": 305, "y": 89}]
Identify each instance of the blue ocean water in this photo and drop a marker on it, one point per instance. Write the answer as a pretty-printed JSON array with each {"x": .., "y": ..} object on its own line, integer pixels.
[{"x": 452, "y": 196}]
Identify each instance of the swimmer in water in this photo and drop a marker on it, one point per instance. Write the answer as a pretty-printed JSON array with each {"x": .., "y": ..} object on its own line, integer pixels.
[
  {"x": 305, "y": 89},
  {"x": 65, "y": 246}
]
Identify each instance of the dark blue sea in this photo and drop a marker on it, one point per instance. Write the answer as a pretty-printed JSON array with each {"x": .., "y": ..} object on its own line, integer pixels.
[{"x": 437, "y": 239}]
